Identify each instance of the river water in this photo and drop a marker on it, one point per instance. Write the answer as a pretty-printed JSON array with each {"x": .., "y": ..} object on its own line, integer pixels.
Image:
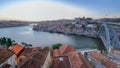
[{"x": 46, "y": 39}]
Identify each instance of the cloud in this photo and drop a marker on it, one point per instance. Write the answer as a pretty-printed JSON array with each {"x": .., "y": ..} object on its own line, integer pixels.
[{"x": 42, "y": 10}]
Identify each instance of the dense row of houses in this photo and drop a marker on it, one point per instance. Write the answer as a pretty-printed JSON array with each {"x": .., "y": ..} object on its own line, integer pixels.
[{"x": 66, "y": 56}]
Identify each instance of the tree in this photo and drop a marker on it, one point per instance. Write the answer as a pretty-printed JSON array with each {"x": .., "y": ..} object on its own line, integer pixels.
[
  {"x": 56, "y": 46},
  {"x": 3, "y": 41},
  {"x": 46, "y": 47},
  {"x": 8, "y": 42},
  {"x": 93, "y": 47},
  {"x": 0, "y": 40}
]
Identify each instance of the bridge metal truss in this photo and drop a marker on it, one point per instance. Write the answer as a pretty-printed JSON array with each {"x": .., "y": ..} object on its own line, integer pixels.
[{"x": 109, "y": 36}]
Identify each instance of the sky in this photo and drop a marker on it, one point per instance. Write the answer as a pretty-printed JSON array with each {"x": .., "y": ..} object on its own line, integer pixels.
[{"x": 37, "y": 10}]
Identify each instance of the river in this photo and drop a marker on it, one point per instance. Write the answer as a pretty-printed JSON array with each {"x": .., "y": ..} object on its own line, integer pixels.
[{"x": 46, "y": 39}]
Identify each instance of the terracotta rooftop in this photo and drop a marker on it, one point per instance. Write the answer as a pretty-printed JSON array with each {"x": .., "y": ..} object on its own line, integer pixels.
[
  {"x": 61, "y": 62},
  {"x": 5, "y": 54},
  {"x": 65, "y": 49},
  {"x": 74, "y": 60},
  {"x": 17, "y": 49},
  {"x": 56, "y": 52},
  {"x": 27, "y": 51},
  {"x": 36, "y": 60},
  {"x": 105, "y": 61},
  {"x": 85, "y": 62}
]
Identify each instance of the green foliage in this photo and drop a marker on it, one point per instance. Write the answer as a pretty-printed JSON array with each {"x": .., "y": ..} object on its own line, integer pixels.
[
  {"x": 56, "y": 46},
  {"x": 6, "y": 41},
  {"x": 9, "y": 42},
  {"x": 0, "y": 40},
  {"x": 3, "y": 41},
  {"x": 93, "y": 47},
  {"x": 46, "y": 47}
]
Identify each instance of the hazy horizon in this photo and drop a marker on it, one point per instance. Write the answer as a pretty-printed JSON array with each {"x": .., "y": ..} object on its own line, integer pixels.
[{"x": 38, "y": 10}]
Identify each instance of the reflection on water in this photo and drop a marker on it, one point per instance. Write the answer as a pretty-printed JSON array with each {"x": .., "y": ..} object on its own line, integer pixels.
[{"x": 43, "y": 39}]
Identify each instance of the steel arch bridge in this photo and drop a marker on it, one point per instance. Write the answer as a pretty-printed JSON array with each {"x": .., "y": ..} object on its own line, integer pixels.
[{"x": 109, "y": 36}]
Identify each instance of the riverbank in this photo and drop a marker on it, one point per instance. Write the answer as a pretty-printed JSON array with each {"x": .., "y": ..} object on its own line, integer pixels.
[
  {"x": 6, "y": 24},
  {"x": 68, "y": 33},
  {"x": 69, "y": 27}
]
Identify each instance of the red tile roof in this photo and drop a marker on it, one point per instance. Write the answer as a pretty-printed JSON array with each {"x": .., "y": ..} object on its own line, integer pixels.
[
  {"x": 56, "y": 52},
  {"x": 85, "y": 62},
  {"x": 65, "y": 49},
  {"x": 5, "y": 54},
  {"x": 74, "y": 59},
  {"x": 35, "y": 60},
  {"x": 17, "y": 49},
  {"x": 27, "y": 51},
  {"x": 105, "y": 61},
  {"x": 61, "y": 62}
]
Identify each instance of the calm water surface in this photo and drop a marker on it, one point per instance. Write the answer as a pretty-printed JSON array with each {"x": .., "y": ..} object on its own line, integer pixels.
[{"x": 43, "y": 39}]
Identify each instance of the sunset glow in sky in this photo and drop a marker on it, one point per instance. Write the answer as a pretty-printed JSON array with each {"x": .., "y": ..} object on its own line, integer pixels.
[{"x": 36, "y": 10}]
